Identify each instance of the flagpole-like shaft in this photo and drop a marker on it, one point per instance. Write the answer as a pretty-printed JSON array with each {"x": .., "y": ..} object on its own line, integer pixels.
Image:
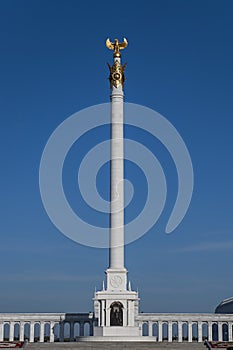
[{"x": 117, "y": 180}]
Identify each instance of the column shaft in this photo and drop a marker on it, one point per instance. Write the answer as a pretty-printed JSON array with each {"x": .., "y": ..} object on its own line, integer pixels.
[
  {"x": 230, "y": 331},
  {"x": 117, "y": 183},
  {"x": 11, "y": 335},
  {"x": 41, "y": 332},
  {"x": 199, "y": 330},
  {"x": 1, "y": 330},
  {"x": 210, "y": 336},
  {"x": 219, "y": 331},
  {"x": 51, "y": 335},
  {"x": 150, "y": 330},
  {"x": 160, "y": 331},
  {"x": 130, "y": 313},
  {"x": 180, "y": 332},
  {"x": 170, "y": 332},
  {"x": 104, "y": 322},
  {"x": 190, "y": 332},
  {"x": 21, "y": 331},
  {"x": 31, "y": 338}
]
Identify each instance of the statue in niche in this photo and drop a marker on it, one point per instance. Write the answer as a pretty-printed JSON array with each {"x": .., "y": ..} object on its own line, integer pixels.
[{"x": 116, "y": 314}]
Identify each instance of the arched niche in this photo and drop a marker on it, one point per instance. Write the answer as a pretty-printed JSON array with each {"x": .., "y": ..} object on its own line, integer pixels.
[{"x": 116, "y": 314}]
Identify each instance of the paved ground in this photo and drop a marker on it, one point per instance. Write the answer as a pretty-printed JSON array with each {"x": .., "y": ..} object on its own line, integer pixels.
[{"x": 116, "y": 346}]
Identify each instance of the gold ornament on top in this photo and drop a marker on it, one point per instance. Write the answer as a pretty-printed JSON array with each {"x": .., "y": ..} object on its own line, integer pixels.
[
  {"x": 117, "y": 76},
  {"x": 116, "y": 46}
]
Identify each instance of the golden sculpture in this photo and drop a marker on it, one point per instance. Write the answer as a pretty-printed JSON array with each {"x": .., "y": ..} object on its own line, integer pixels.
[
  {"x": 116, "y": 76},
  {"x": 116, "y": 46}
]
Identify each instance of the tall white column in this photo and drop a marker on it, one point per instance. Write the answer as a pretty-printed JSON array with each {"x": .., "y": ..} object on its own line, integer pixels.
[
  {"x": 199, "y": 331},
  {"x": 230, "y": 331},
  {"x": 130, "y": 313},
  {"x": 117, "y": 183},
  {"x": 219, "y": 331},
  {"x": 170, "y": 332},
  {"x": 1, "y": 331},
  {"x": 180, "y": 332},
  {"x": 160, "y": 331},
  {"x": 210, "y": 336},
  {"x": 21, "y": 331},
  {"x": 41, "y": 331},
  {"x": 103, "y": 313},
  {"x": 51, "y": 335},
  {"x": 150, "y": 330},
  {"x": 124, "y": 317},
  {"x": 11, "y": 335},
  {"x": 31, "y": 338},
  {"x": 190, "y": 332}
]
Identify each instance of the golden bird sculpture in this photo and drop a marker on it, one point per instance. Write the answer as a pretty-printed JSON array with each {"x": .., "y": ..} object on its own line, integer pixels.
[{"x": 116, "y": 46}]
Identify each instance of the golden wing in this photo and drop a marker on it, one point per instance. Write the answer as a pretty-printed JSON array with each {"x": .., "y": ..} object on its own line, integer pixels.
[
  {"x": 124, "y": 44},
  {"x": 109, "y": 44}
]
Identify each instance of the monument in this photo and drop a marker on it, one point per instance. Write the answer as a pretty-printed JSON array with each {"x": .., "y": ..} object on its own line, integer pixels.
[{"x": 116, "y": 307}]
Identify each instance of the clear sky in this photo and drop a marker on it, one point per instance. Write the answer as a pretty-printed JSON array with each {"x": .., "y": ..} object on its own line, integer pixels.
[{"x": 53, "y": 64}]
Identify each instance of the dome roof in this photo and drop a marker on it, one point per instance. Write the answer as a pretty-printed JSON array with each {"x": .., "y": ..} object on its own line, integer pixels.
[{"x": 225, "y": 307}]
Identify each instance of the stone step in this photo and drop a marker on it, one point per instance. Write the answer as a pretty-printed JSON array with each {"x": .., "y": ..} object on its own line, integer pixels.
[{"x": 117, "y": 346}]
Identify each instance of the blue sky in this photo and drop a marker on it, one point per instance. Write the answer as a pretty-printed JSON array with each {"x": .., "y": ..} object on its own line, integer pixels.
[{"x": 53, "y": 64}]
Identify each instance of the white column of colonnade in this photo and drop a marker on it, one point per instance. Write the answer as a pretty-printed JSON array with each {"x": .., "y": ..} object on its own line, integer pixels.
[
  {"x": 230, "y": 331},
  {"x": 31, "y": 337},
  {"x": 219, "y": 331},
  {"x": 11, "y": 331},
  {"x": 170, "y": 332},
  {"x": 51, "y": 335},
  {"x": 190, "y": 332},
  {"x": 41, "y": 331},
  {"x": 210, "y": 333},
  {"x": 1, "y": 330},
  {"x": 160, "y": 331},
  {"x": 180, "y": 338},
  {"x": 21, "y": 331},
  {"x": 150, "y": 329},
  {"x": 199, "y": 332}
]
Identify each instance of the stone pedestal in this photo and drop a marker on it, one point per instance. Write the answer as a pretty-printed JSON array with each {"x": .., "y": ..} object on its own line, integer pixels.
[{"x": 116, "y": 311}]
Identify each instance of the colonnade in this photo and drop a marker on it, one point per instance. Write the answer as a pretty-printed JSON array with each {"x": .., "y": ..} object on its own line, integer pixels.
[
  {"x": 161, "y": 326},
  {"x": 51, "y": 322}
]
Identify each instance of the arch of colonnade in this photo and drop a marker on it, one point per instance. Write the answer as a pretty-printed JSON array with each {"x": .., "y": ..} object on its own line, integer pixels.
[{"x": 163, "y": 327}]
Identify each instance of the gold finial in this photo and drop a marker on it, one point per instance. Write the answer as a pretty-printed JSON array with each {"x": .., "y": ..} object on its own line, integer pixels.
[
  {"x": 116, "y": 46},
  {"x": 117, "y": 76}
]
